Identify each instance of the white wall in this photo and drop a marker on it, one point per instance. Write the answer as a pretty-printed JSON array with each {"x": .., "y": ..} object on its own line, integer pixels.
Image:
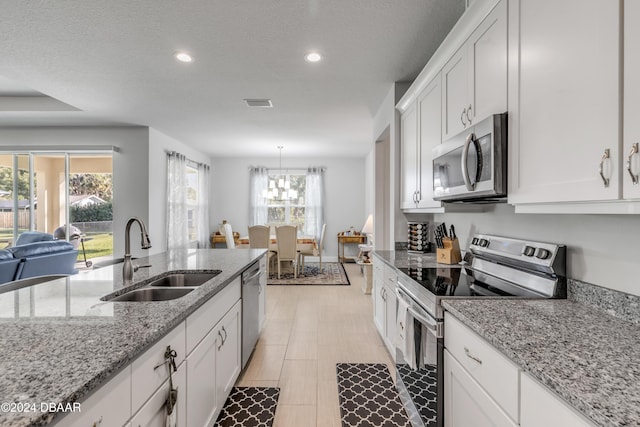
[
  {"x": 602, "y": 249},
  {"x": 344, "y": 192},
  {"x": 130, "y": 165},
  {"x": 159, "y": 144}
]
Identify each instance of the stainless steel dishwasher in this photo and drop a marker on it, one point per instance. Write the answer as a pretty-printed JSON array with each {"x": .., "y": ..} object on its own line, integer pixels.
[{"x": 250, "y": 308}]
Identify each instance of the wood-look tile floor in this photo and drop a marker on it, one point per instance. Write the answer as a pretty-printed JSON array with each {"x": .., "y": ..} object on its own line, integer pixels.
[{"x": 308, "y": 330}]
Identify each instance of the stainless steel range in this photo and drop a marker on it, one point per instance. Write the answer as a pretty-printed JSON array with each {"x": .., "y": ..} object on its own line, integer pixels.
[{"x": 493, "y": 266}]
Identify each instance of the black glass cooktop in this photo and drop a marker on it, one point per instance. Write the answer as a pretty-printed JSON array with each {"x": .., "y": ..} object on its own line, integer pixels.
[{"x": 451, "y": 282}]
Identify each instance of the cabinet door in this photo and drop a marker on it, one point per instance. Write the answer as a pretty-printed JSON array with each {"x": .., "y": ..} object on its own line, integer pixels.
[
  {"x": 153, "y": 413},
  {"x": 378, "y": 300},
  {"x": 228, "y": 359},
  {"x": 409, "y": 147},
  {"x": 455, "y": 78},
  {"x": 262, "y": 296},
  {"x": 487, "y": 53},
  {"x": 541, "y": 408},
  {"x": 390, "y": 318},
  {"x": 568, "y": 106},
  {"x": 430, "y": 111},
  {"x": 631, "y": 133},
  {"x": 466, "y": 403},
  {"x": 202, "y": 403}
]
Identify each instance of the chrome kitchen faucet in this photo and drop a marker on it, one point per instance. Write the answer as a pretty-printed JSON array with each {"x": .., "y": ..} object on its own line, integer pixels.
[{"x": 127, "y": 269}]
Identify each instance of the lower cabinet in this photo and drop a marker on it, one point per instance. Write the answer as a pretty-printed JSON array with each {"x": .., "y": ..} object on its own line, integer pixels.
[
  {"x": 228, "y": 359},
  {"x": 384, "y": 302},
  {"x": 262, "y": 302},
  {"x": 154, "y": 412},
  {"x": 541, "y": 408},
  {"x": 466, "y": 402}
]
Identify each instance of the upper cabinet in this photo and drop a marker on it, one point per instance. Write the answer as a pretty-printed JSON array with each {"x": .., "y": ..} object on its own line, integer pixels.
[
  {"x": 420, "y": 133},
  {"x": 631, "y": 130},
  {"x": 465, "y": 81},
  {"x": 474, "y": 80},
  {"x": 565, "y": 126}
]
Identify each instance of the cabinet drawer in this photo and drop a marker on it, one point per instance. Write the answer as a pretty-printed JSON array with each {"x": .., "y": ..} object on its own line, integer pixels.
[
  {"x": 541, "y": 407},
  {"x": 204, "y": 319},
  {"x": 145, "y": 379},
  {"x": 493, "y": 371},
  {"x": 110, "y": 405},
  {"x": 153, "y": 413}
]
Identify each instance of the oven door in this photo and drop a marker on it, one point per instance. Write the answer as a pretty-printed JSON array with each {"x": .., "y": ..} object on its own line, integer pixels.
[
  {"x": 472, "y": 165},
  {"x": 419, "y": 373}
]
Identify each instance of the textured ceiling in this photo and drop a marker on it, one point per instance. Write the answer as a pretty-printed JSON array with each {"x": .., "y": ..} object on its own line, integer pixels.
[{"x": 113, "y": 61}]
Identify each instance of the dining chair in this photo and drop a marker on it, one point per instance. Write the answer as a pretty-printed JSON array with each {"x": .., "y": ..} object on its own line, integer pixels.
[
  {"x": 259, "y": 237},
  {"x": 310, "y": 252},
  {"x": 286, "y": 236},
  {"x": 228, "y": 235}
]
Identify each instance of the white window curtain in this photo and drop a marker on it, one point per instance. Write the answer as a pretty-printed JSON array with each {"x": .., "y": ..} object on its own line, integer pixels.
[
  {"x": 259, "y": 179},
  {"x": 177, "y": 231},
  {"x": 314, "y": 203},
  {"x": 203, "y": 206}
]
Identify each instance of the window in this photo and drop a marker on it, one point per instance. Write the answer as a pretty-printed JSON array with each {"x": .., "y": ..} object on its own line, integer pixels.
[
  {"x": 192, "y": 201},
  {"x": 286, "y": 198}
]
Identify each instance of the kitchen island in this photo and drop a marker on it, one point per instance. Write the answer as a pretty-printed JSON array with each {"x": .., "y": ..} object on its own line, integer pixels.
[{"x": 61, "y": 342}]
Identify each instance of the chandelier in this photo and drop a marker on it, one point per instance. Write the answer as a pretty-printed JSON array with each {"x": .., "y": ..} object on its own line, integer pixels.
[{"x": 281, "y": 190}]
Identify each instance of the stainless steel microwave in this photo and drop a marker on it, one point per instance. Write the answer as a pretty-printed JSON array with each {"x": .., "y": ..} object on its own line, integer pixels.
[{"x": 472, "y": 166}]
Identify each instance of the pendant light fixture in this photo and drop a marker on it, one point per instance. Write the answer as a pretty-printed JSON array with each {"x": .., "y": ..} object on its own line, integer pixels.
[{"x": 282, "y": 189}]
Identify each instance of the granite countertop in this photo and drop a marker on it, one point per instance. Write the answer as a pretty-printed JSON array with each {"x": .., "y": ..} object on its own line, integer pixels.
[
  {"x": 60, "y": 341},
  {"x": 587, "y": 357},
  {"x": 404, "y": 259}
]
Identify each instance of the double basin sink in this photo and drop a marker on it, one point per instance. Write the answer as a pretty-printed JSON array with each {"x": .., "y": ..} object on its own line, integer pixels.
[{"x": 164, "y": 288}]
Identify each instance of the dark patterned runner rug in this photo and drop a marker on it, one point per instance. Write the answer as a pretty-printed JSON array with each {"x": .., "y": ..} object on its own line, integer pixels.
[
  {"x": 368, "y": 397},
  {"x": 249, "y": 407},
  {"x": 332, "y": 274}
]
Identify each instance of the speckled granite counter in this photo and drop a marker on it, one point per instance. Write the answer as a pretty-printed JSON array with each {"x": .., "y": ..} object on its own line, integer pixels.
[
  {"x": 60, "y": 341},
  {"x": 588, "y": 358}
]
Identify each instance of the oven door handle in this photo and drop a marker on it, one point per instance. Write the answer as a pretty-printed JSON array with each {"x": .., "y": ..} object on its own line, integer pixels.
[{"x": 419, "y": 314}]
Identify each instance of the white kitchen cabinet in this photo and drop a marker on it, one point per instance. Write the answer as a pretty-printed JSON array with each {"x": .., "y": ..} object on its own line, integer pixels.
[
  {"x": 110, "y": 405},
  {"x": 417, "y": 157},
  {"x": 379, "y": 309},
  {"x": 154, "y": 414},
  {"x": 631, "y": 130},
  {"x": 228, "y": 359},
  {"x": 213, "y": 367},
  {"x": 466, "y": 403},
  {"x": 541, "y": 407},
  {"x": 496, "y": 374},
  {"x": 474, "y": 80},
  {"x": 262, "y": 302},
  {"x": 148, "y": 371},
  {"x": 409, "y": 148},
  {"x": 564, "y": 101}
]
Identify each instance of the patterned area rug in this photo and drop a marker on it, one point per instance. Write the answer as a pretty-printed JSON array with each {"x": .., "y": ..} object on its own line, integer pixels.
[
  {"x": 249, "y": 407},
  {"x": 368, "y": 397},
  {"x": 421, "y": 387},
  {"x": 332, "y": 274}
]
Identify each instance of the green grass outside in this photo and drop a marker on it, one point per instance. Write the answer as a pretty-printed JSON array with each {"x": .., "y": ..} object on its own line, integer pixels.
[{"x": 101, "y": 244}]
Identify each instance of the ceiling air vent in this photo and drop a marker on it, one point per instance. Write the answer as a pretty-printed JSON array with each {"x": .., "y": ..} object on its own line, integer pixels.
[{"x": 264, "y": 103}]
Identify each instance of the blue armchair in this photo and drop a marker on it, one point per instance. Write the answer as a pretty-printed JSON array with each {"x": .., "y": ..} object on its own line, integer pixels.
[{"x": 8, "y": 266}]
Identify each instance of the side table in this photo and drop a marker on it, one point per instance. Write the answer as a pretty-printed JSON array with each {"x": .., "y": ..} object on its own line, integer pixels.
[{"x": 348, "y": 239}]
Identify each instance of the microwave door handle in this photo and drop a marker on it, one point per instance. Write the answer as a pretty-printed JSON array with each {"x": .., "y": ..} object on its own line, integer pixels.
[{"x": 465, "y": 168}]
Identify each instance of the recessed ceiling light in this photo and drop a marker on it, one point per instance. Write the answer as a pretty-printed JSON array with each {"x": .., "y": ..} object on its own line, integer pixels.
[
  {"x": 183, "y": 57},
  {"x": 313, "y": 57}
]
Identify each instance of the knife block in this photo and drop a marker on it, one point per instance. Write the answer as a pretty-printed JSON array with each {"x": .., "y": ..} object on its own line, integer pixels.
[{"x": 450, "y": 254}]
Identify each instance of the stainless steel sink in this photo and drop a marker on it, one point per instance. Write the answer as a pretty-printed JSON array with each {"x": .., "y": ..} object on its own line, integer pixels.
[
  {"x": 177, "y": 280},
  {"x": 152, "y": 294}
]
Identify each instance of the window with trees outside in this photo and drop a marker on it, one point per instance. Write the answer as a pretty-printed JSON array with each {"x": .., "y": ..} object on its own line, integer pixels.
[
  {"x": 286, "y": 198},
  {"x": 192, "y": 201}
]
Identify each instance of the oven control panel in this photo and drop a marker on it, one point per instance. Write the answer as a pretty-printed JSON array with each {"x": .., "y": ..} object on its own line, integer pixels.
[{"x": 547, "y": 257}]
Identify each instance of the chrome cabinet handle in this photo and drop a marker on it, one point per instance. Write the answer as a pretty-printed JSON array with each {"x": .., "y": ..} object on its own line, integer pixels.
[
  {"x": 471, "y": 186},
  {"x": 634, "y": 150},
  {"x": 225, "y": 335},
  {"x": 221, "y": 340},
  {"x": 462, "y": 117},
  {"x": 467, "y": 114},
  {"x": 605, "y": 156},
  {"x": 471, "y": 356},
  {"x": 418, "y": 196}
]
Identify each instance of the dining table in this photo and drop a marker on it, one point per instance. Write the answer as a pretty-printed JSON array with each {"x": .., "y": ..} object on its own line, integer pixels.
[{"x": 303, "y": 243}]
